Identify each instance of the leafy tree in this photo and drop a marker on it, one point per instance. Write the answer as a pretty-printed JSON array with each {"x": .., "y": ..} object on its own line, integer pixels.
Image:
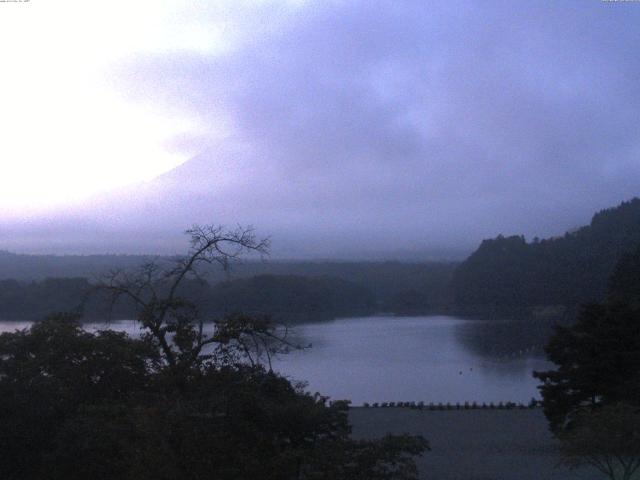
[
  {"x": 598, "y": 362},
  {"x": 592, "y": 400},
  {"x": 624, "y": 284},
  {"x": 607, "y": 439},
  {"x": 48, "y": 372}
]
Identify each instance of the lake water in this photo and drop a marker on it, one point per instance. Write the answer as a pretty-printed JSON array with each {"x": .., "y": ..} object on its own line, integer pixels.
[{"x": 430, "y": 358}]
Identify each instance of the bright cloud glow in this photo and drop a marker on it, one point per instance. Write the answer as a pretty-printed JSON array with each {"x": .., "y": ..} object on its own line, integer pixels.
[{"x": 65, "y": 132}]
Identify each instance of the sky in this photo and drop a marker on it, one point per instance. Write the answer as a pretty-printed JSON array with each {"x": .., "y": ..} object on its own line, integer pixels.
[
  {"x": 67, "y": 132},
  {"x": 333, "y": 126}
]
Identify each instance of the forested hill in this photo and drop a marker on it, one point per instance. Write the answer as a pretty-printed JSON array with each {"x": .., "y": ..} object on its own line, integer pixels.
[{"x": 568, "y": 270}]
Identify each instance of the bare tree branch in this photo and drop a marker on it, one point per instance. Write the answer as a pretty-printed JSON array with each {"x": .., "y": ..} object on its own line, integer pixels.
[{"x": 174, "y": 323}]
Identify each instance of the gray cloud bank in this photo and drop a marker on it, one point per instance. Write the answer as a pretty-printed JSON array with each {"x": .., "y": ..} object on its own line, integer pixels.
[{"x": 379, "y": 126}]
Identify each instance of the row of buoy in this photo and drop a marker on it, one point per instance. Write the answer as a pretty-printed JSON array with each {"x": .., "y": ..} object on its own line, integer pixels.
[{"x": 456, "y": 406}]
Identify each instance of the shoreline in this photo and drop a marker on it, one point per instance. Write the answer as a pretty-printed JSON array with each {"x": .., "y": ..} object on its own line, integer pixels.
[{"x": 450, "y": 406}]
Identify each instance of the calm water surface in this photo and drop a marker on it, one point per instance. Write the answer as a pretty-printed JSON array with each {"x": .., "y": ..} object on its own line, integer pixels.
[{"x": 430, "y": 358}]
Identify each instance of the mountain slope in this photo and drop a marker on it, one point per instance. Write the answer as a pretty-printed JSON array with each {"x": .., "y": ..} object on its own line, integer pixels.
[{"x": 569, "y": 270}]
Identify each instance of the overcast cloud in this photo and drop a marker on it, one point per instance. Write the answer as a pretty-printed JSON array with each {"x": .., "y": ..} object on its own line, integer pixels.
[{"x": 395, "y": 125}]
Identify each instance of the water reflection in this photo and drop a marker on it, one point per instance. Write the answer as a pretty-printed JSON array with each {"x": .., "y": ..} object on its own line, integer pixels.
[
  {"x": 502, "y": 340},
  {"x": 433, "y": 359}
]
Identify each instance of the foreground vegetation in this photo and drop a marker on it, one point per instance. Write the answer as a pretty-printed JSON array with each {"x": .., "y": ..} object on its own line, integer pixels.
[
  {"x": 78, "y": 405},
  {"x": 592, "y": 398},
  {"x": 176, "y": 403}
]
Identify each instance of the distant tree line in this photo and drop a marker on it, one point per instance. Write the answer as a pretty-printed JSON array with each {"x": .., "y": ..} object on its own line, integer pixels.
[
  {"x": 289, "y": 298},
  {"x": 35, "y": 300},
  {"x": 569, "y": 270},
  {"x": 408, "y": 289},
  {"x": 401, "y": 287}
]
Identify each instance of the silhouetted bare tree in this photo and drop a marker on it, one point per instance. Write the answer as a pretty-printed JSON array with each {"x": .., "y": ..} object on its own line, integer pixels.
[{"x": 173, "y": 322}]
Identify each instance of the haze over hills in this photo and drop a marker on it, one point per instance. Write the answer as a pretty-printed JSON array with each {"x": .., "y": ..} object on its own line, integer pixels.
[
  {"x": 149, "y": 218},
  {"x": 306, "y": 218},
  {"x": 503, "y": 273}
]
